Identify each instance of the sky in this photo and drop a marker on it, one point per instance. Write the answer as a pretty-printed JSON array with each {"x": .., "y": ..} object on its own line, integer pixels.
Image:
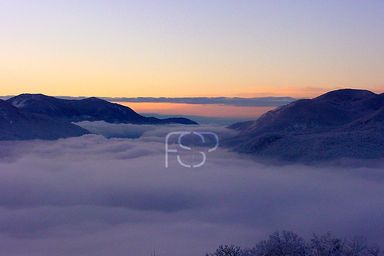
[{"x": 184, "y": 48}]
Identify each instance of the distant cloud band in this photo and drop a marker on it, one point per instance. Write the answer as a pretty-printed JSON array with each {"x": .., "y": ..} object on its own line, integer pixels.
[
  {"x": 232, "y": 101},
  {"x": 235, "y": 101}
]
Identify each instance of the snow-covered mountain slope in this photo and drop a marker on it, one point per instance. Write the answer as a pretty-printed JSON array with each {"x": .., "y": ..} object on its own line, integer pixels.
[
  {"x": 89, "y": 109},
  {"x": 339, "y": 124},
  {"x": 16, "y": 125}
]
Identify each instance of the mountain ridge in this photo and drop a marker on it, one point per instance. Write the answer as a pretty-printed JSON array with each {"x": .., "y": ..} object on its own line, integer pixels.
[
  {"x": 38, "y": 116},
  {"x": 344, "y": 123},
  {"x": 16, "y": 125},
  {"x": 88, "y": 109}
]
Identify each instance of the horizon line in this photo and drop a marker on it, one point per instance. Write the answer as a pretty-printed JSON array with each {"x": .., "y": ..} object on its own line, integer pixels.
[{"x": 268, "y": 101}]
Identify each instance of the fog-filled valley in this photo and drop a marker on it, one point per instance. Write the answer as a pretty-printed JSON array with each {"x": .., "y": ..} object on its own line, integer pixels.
[{"x": 92, "y": 195}]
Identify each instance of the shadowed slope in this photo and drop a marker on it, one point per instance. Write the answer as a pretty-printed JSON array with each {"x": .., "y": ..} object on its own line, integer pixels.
[
  {"x": 16, "y": 125},
  {"x": 89, "y": 109},
  {"x": 344, "y": 123}
]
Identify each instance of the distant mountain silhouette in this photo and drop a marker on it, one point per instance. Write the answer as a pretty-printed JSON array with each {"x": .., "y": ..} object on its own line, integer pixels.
[
  {"x": 37, "y": 116},
  {"x": 339, "y": 124},
  {"x": 89, "y": 109},
  {"x": 16, "y": 125}
]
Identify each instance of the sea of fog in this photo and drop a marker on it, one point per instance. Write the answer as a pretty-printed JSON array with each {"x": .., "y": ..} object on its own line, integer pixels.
[{"x": 97, "y": 196}]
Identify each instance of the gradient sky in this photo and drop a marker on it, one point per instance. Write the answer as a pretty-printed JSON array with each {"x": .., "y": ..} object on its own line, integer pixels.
[{"x": 190, "y": 48}]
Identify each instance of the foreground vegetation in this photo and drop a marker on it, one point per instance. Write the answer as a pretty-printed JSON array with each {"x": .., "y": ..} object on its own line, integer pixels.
[{"x": 290, "y": 244}]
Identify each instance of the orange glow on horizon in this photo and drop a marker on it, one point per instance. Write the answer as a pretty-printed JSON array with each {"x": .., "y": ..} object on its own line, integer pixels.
[{"x": 206, "y": 110}]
